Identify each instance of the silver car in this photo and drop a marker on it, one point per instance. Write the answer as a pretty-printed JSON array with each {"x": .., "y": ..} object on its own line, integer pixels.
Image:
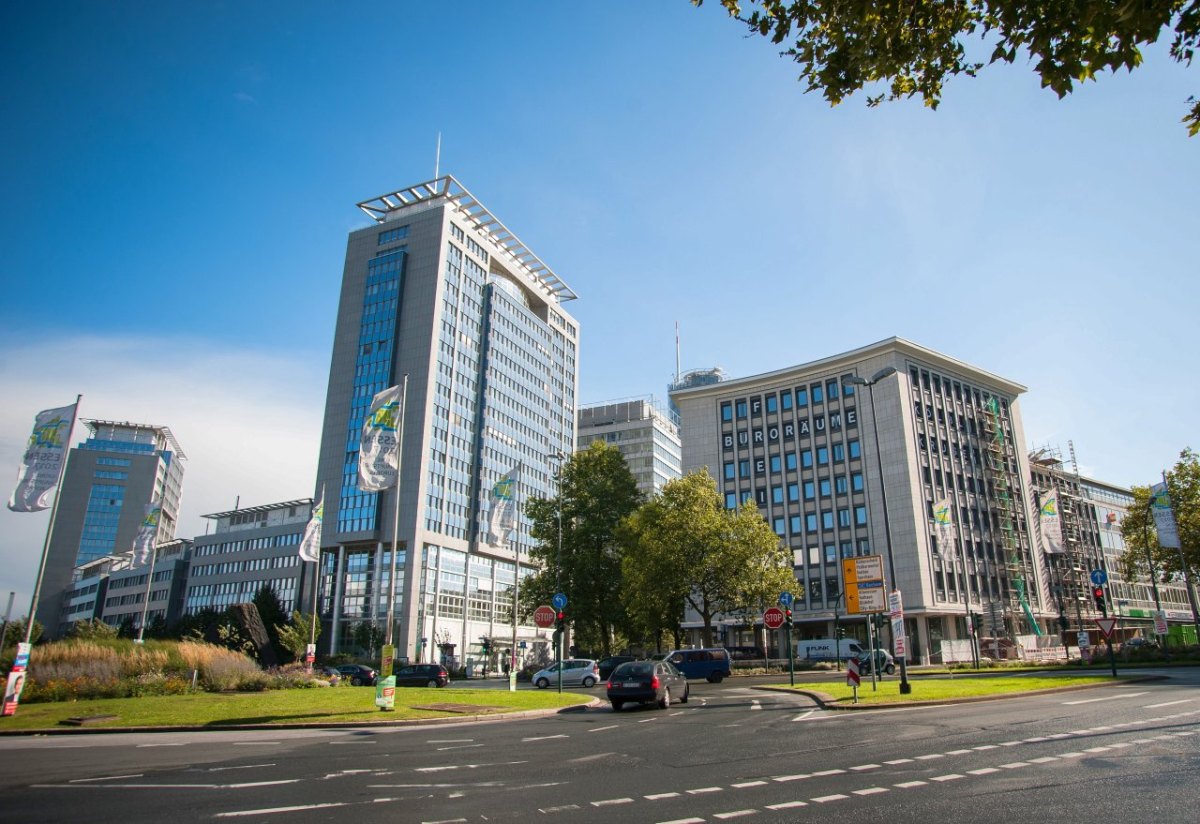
[{"x": 582, "y": 671}]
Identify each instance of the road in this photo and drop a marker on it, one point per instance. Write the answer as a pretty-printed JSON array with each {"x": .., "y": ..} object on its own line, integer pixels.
[{"x": 1126, "y": 753}]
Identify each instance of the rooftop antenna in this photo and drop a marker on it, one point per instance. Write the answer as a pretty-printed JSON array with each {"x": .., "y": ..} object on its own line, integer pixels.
[{"x": 437, "y": 160}]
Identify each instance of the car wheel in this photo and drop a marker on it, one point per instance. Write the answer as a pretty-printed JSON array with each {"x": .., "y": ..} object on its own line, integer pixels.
[
  {"x": 589, "y": 682},
  {"x": 356, "y": 682},
  {"x": 432, "y": 683},
  {"x": 617, "y": 705},
  {"x": 686, "y": 691},
  {"x": 542, "y": 683},
  {"x": 665, "y": 701},
  {"x": 890, "y": 669}
]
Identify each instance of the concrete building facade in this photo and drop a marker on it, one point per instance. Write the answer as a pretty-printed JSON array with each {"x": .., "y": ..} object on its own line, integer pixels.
[
  {"x": 437, "y": 290},
  {"x": 840, "y": 470},
  {"x": 645, "y": 432},
  {"x": 110, "y": 479}
]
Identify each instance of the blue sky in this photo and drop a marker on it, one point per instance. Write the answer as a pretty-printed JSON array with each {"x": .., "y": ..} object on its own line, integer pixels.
[{"x": 180, "y": 180}]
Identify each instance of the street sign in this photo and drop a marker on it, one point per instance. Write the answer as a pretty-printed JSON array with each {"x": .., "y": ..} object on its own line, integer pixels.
[
  {"x": 852, "y": 678},
  {"x": 1099, "y": 577},
  {"x": 559, "y": 601},
  {"x": 1106, "y": 626},
  {"x": 866, "y": 597},
  {"x": 544, "y": 616},
  {"x": 785, "y": 598},
  {"x": 861, "y": 576},
  {"x": 773, "y": 618}
]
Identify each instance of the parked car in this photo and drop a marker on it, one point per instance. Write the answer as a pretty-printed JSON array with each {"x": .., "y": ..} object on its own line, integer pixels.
[
  {"x": 711, "y": 663},
  {"x": 607, "y": 665},
  {"x": 746, "y": 653},
  {"x": 582, "y": 671},
  {"x": 881, "y": 658},
  {"x": 422, "y": 675},
  {"x": 646, "y": 682},
  {"x": 359, "y": 675},
  {"x": 1138, "y": 642}
]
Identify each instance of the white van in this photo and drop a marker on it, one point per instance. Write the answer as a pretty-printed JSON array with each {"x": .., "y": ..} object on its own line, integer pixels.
[{"x": 827, "y": 649}]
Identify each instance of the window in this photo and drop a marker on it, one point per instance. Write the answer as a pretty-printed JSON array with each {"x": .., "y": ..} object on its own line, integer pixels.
[
  {"x": 772, "y": 403},
  {"x": 831, "y": 389},
  {"x": 743, "y": 469},
  {"x": 741, "y": 409},
  {"x": 806, "y": 459},
  {"x": 786, "y": 400},
  {"x": 726, "y": 411},
  {"x": 844, "y": 517},
  {"x": 823, "y": 455},
  {"x": 810, "y": 522},
  {"x": 855, "y": 451},
  {"x": 839, "y": 485},
  {"x": 790, "y": 461},
  {"x": 730, "y": 500},
  {"x": 860, "y": 515},
  {"x": 839, "y": 452},
  {"x": 775, "y": 463},
  {"x": 729, "y": 471},
  {"x": 827, "y": 519},
  {"x": 856, "y": 482},
  {"x": 847, "y": 388},
  {"x": 795, "y": 524},
  {"x": 802, "y": 397},
  {"x": 825, "y": 489},
  {"x": 777, "y": 494},
  {"x": 817, "y": 396},
  {"x": 810, "y": 490},
  {"x": 778, "y": 524},
  {"x": 793, "y": 492}
]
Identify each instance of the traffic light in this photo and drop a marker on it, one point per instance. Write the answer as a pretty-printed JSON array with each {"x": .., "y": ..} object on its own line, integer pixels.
[
  {"x": 1098, "y": 594},
  {"x": 787, "y": 617},
  {"x": 486, "y": 644},
  {"x": 560, "y": 620}
]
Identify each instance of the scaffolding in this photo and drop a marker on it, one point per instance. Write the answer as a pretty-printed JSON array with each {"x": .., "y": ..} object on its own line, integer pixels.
[{"x": 1002, "y": 469}]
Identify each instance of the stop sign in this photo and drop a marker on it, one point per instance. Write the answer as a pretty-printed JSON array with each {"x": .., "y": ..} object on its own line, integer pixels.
[
  {"x": 544, "y": 617},
  {"x": 773, "y": 618}
]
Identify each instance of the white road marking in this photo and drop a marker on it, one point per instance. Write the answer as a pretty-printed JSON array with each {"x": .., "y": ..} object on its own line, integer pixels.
[
  {"x": 1070, "y": 755},
  {"x": 1105, "y": 698},
  {"x": 861, "y": 767},
  {"x": 1036, "y": 739},
  {"x": 459, "y": 747},
  {"x": 660, "y": 796},
  {"x": 984, "y": 771},
  {"x": 1012, "y": 765},
  {"x": 593, "y": 757},
  {"x": 1098, "y": 749},
  {"x": 746, "y": 784},
  {"x": 702, "y": 790},
  {"x": 825, "y": 799},
  {"x": 872, "y": 791},
  {"x": 601, "y": 729},
  {"x": 146, "y": 746},
  {"x": 468, "y": 766},
  {"x": 642, "y": 721},
  {"x": 612, "y": 801},
  {"x": 353, "y": 743},
  {"x": 896, "y": 761},
  {"x": 754, "y": 705},
  {"x": 787, "y": 805},
  {"x": 735, "y": 814},
  {"x": 106, "y": 778},
  {"x": 446, "y": 821},
  {"x": 930, "y": 757},
  {"x": 449, "y": 740},
  {"x": 983, "y": 747},
  {"x": 1167, "y": 703},
  {"x": 1010, "y": 743},
  {"x": 947, "y": 777},
  {"x": 244, "y": 767},
  {"x": 559, "y": 809},
  {"x": 683, "y": 821},
  {"x": 266, "y": 743},
  {"x": 543, "y": 738},
  {"x": 296, "y": 809},
  {"x": 782, "y": 778},
  {"x": 1045, "y": 759},
  {"x": 908, "y": 785},
  {"x": 803, "y": 716},
  {"x": 959, "y": 752},
  {"x": 828, "y": 772}
]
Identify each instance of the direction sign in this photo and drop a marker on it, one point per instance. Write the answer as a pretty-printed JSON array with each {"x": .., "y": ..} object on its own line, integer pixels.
[
  {"x": 1106, "y": 626},
  {"x": 559, "y": 600},
  {"x": 786, "y": 598},
  {"x": 773, "y": 618},
  {"x": 1099, "y": 577},
  {"x": 544, "y": 616}
]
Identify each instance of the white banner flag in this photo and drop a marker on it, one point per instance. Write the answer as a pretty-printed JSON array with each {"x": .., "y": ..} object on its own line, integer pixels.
[
  {"x": 43, "y": 461},
  {"x": 943, "y": 520},
  {"x": 147, "y": 535},
  {"x": 1051, "y": 522},
  {"x": 310, "y": 547},
  {"x": 503, "y": 515},
  {"x": 1164, "y": 517},
  {"x": 378, "y": 450}
]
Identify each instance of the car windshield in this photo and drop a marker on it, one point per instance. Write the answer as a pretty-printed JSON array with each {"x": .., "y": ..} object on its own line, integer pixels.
[{"x": 634, "y": 669}]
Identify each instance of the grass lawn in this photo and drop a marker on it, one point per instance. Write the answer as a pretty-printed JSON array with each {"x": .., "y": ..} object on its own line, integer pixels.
[
  {"x": 299, "y": 706},
  {"x": 942, "y": 689}
]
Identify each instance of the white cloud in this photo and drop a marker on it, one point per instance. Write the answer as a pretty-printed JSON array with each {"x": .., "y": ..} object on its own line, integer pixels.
[{"x": 248, "y": 421}]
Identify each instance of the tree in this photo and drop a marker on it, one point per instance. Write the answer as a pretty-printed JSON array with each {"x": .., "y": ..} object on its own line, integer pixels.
[
  {"x": 92, "y": 630},
  {"x": 295, "y": 634},
  {"x": 684, "y": 545},
  {"x": 915, "y": 46},
  {"x": 1137, "y": 528},
  {"x": 270, "y": 609},
  {"x": 369, "y": 636},
  {"x": 597, "y": 491},
  {"x": 14, "y": 633}
]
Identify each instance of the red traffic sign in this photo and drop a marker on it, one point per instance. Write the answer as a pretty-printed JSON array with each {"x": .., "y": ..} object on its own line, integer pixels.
[
  {"x": 773, "y": 618},
  {"x": 544, "y": 616},
  {"x": 1106, "y": 626},
  {"x": 852, "y": 676}
]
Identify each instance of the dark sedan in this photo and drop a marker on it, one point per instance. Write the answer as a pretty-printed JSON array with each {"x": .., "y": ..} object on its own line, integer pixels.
[
  {"x": 607, "y": 665},
  {"x": 359, "y": 675},
  {"x": 422, "y": 675},
  {"x": 646, "y": 682}
]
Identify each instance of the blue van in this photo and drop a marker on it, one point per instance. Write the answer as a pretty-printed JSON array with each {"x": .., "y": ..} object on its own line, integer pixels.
[{"x": 711, "y": 663}]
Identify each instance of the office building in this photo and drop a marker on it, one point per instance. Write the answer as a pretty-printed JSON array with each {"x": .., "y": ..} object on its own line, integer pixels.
[
  {"x": 125, "y": 598},
  {"x": 109, "y": 481},
  {"x": 250, "y": 548},
  {"x": 645, "y": 432},
  {"x": 437, "y": 290},
  {"x": 842, "y": 470}
]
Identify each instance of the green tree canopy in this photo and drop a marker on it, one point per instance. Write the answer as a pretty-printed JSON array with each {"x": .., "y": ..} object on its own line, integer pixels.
[
  {"x": 1141, "y": 537},
  {"x": 684, "y": 547},
  {"x": 597, "y": 493},
  {"x": 914, "y": 46}
]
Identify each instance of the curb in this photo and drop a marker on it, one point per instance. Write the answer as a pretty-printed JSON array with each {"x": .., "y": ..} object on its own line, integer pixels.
[{"x": 827, "y": 702}]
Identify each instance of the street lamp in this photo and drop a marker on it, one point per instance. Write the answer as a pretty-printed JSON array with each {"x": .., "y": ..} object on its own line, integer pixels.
[
  {"x": 905, "y": 687},
  {"x": 560, "y": 629}
]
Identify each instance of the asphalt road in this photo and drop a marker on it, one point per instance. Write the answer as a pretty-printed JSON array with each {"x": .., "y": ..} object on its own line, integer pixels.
[{"x": 1126, "y": 753}]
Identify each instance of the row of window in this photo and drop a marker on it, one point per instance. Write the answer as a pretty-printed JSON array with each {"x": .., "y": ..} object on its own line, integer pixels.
[{"x": 785, "y": 399}]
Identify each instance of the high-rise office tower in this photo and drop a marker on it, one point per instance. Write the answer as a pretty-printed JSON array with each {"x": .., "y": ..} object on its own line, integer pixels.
[
  {"x": 437, "y": 290},
  {"x": 644, "y": 431},
  {"x": 109, "y": 480}
]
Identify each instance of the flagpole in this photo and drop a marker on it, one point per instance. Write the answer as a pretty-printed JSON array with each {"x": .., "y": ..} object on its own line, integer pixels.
[
  {"x": 312, "y": 633},
  {"x": 41, "y": 573},
  {"x": 396, "y": 513},
  {"x": 512, "y": 668},
  {"x": 149, "y": 579}
]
